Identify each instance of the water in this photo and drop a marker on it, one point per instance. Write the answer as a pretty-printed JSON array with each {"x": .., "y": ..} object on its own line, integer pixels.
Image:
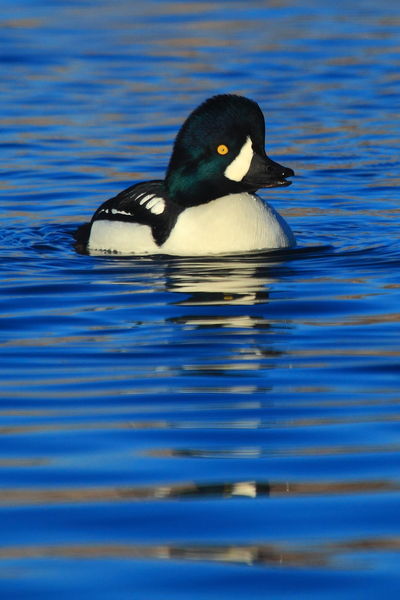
[{"x": 199, "y": 428}]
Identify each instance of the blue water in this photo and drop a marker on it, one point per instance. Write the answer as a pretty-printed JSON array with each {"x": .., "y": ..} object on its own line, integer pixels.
[{"x": 218, "y": 428}]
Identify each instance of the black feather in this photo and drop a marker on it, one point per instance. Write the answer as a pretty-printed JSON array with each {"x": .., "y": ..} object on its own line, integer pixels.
[{"x": 127, "y": 207}]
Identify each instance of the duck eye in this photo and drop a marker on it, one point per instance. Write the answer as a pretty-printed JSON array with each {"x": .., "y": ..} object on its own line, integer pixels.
[{"x": 222, "y": 149}]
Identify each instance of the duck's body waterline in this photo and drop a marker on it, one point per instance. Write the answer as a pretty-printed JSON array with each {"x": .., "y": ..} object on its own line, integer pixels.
[
  {"x": 207, "y": 202},
  {"x": 233, "y": 223}
]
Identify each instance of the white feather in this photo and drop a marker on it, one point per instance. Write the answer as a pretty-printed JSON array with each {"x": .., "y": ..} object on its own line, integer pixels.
[
  {"x": 238, "y": 168},
  {"x": 121, "y": 237},
  {"x": 233, "y": 223}
]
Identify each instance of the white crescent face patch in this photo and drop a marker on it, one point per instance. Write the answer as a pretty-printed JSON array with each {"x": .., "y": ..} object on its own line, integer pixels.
[{"x": 240, "y": 165}]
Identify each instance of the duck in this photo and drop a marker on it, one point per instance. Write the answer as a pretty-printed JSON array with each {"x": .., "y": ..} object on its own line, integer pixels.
[{"x": 207, "y": 202}]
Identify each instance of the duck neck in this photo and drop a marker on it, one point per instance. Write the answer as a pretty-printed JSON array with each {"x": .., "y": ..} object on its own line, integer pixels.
[{"x": 193, "y": 186}]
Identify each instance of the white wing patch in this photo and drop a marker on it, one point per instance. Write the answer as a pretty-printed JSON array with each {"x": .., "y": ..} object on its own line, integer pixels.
[
  {"x": 156, "y": 205},
  {"x": 240, "y": 165},
  {"x": 150, "y": 202},
  {"x": 114, "y": 211},
  {"x": 145, "y": 199},
  {"x": 153, "y": 204}
]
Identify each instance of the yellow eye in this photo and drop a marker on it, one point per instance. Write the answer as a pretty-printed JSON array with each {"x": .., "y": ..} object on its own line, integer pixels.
[{"x": 222, "y": 149}]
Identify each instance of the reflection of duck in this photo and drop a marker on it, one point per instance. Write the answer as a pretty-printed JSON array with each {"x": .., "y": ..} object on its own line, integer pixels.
[
  {"x": 239, "y": 489},
  {"x": 219, "y": 281},
  {"x": 224, "y": 280},
  {"x": 206, "y": 204},
  {"x": 229, "y": 293}
]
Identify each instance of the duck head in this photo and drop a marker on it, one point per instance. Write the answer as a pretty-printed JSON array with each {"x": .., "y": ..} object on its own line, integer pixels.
[{"x": 219, "y": 150}]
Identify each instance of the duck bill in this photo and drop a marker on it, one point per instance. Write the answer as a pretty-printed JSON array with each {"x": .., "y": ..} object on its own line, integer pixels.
[{"x": 265, "y": 173}]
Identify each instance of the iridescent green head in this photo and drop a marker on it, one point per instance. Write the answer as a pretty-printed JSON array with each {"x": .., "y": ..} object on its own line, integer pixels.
[{"x": 219, "y": 150}]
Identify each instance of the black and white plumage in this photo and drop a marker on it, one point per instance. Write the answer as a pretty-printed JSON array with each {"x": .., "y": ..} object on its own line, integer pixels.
[
  {"x": 144, "y": 203},
  {"x": 207, "y": 202}
]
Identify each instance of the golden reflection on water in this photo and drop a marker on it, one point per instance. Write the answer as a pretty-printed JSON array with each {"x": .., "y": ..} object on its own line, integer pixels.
[
  {"x": 258, "y": 452},
  {"x": 211, "y": 424},
  {"x": 330, "y": 555}
]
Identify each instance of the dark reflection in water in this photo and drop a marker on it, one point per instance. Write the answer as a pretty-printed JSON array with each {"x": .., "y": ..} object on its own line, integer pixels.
[{"x": 239, "y": 489}]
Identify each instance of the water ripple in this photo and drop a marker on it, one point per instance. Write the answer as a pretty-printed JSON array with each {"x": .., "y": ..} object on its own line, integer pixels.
[{"x": 199, "y": 427}]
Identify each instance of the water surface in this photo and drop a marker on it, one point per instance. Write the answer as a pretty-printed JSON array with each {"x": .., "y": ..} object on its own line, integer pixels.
[{"x": 199, "y": 428}]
